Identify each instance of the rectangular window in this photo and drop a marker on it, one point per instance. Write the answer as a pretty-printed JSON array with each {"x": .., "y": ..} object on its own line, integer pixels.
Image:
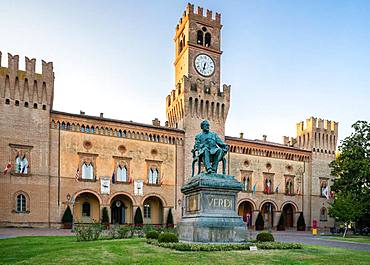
[
  {"x": 154, "y": 172},
  {"x": 21, "y": 160},
  {"x": 86, "y": 209},
  {"x": 147, "y": 211},
  {"x": 268, "y": 183},
  {"x": 21, "y": 203},
  {"x": 246, "y": 179},
  {"x": 87, "y": 169}
]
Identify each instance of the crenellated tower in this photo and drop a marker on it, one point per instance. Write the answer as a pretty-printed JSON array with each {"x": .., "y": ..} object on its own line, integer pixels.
[
  {"x": 26, "y": 99},
  {"x": 26, "y": 87},
  {"x": 319, "y": 136},
  {"x": 198, "y": 94}
]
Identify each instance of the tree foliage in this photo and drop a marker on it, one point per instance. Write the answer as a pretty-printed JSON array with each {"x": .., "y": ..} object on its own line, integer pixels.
[
  {"x": 67, "y": 216},
  {"x": 105, "y": 216},
  {"x": 345, "y": 208},
  {"x": 301, "y": 224},
  {"x": 138, "y": 218},
  {"x": 351, "y": 170},
  {"x": 259, "y": 222},
  {"x": 169, "y": 222}
]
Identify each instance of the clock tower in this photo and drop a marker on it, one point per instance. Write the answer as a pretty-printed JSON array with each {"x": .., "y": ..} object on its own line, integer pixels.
[{"x": 198, "y": 94}]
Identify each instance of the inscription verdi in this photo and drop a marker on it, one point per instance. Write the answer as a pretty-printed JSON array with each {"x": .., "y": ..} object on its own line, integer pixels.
[{"x": 220, "y": 203}]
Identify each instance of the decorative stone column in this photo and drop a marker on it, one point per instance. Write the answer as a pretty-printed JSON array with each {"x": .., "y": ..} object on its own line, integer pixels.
[
  {"x": 277, "y": 215},
  {"x": 165, "y": 214},
  {"x": 254, "y": 218}
]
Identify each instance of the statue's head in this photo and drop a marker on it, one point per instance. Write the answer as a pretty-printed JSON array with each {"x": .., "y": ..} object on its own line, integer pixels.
[{"x": 204, "y": 125}]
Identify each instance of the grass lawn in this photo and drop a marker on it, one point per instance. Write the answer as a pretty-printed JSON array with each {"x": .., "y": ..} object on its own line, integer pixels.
[
  {"x": 66, "y": 250},
  {"x": 351, "y": 238}
]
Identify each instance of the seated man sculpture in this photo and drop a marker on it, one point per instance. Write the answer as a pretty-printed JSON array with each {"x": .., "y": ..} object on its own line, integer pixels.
[{"x": 209, "y": 149}]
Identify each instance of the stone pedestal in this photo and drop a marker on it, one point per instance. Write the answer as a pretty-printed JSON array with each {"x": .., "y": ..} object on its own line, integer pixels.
[{"x": 210, "y": 210}]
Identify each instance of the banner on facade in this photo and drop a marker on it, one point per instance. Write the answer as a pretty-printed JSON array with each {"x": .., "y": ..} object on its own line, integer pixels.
[
  {"x": 138, "y": 187},
  {"x": 105, "y": 185}
]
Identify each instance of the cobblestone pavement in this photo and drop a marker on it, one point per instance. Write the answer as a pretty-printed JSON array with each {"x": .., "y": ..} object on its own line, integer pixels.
[{"x": 284, "y": 236}]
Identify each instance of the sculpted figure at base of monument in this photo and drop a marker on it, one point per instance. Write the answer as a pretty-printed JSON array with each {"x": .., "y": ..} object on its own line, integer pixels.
[{"x": 209, "y": 149}]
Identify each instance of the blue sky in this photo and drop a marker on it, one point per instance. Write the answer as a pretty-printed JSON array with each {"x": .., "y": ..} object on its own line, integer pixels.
[{"x": 285, "y": 60}]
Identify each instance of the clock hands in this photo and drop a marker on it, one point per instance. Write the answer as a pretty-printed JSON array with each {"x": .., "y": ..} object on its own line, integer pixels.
[{"x": 204, "y": 66}]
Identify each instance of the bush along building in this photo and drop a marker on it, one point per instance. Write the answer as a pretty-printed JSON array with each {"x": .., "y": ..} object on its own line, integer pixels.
[{"x": 53, "y": 160}]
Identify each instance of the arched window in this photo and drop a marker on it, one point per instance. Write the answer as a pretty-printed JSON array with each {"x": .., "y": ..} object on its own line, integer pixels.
[
  {"x": 121, "y": 173},
  {"x": 21, "y": 164},
  {"x": 207, "y": 39},
  {"x": 21, "y": 203},
  {"x": 289, "y": 187},
  {"x": 86, "y": 209},
  {"x": 87, "y": 171},
  {"x": 153, "y": 176},
  {"x": 87, "y": 129},
  {"x": 268, "y": 186},
  {"x": 200, "y": 37},
  {"x": 323, "y": 214},
  {"x": 83, "y": 128},
  {"x": 247, "y": 183},
  {"x": 147, "y": 211},
  {"x": 324, "y": 189}
]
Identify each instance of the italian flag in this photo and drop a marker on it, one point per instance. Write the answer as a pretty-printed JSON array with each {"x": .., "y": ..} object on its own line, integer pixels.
[{"x": 7, "y": 168}]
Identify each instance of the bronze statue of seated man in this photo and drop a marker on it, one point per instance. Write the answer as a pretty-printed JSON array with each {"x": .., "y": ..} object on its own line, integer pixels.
[{"x": 209, "y": 149}]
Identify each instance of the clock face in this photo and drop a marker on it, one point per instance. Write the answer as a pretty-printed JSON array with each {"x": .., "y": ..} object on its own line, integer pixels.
[{"x": 204, "y": 65}]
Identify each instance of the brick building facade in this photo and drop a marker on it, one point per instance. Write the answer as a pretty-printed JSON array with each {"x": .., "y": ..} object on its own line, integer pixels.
[{"x": 59, "y": 159}]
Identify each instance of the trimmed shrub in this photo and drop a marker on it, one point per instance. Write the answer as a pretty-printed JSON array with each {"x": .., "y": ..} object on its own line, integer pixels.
[
  {"x": 67, "y": 216},
  {"x": 278, "y": 245},
  {"x": 265, "y": 237},
  {"x": 281, "y": 223},
  {"x": 138, "y": 219},
  {"x": 301, "y": 224},
  {"x": 153, "y": 234},
  {"x": 224, "y": 247},
  {"x": 168, "y": 238},
  {"x": 169, "y": 219},
  {"x": 105, "y": 217},
  {"x": 88, "y": 232},
  {"x": 259, "y": 222}
]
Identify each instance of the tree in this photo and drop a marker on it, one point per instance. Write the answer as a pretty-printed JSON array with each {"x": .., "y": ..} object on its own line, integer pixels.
[
  {"x": 351, "y": 170},
  {"x": 301, "y": 224},
  {"x": 345, "y": 209},
  {"x": 259, "y": 222},
  {"x": 138, "y": 219},
  {"x": 67, "y": 218},
  {"x": 169, "y": 219},
  {"x": 105, "y": 217},
  {"x": 281, "y": 223}
]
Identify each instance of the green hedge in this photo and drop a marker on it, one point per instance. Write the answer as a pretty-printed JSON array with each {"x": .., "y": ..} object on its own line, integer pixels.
[
  {"x": 278, "y": 245},
  {"x": 224, "y": 247}
]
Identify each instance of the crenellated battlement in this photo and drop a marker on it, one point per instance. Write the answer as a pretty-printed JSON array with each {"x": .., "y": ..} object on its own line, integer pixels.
[
  {"x": 318, "y": 135},
  {"x": 198, "y": 98},
  {"x": 199, "y": 15},
  {"x": 313, "y": 123},
  {"x": 199, "y": 87},
  {"x": 26, "y": 85}
]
